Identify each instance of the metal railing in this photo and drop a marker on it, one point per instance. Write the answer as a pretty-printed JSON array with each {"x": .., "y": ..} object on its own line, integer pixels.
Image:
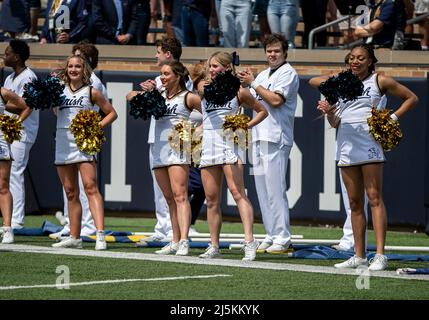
[{"x": 332, "y": 23}]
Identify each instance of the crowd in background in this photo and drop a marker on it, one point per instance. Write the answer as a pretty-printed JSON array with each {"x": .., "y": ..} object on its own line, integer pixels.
[{"x": 222, "y": 23}]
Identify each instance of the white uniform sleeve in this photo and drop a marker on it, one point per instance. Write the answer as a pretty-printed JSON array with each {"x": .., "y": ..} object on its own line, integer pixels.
[{"x": 287, "y": 84}]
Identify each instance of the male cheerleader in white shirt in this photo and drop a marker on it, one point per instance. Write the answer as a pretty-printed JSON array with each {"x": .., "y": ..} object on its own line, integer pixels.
[
  {"x": 15, "y": 56},
  {"x": 277, "y": 89}
]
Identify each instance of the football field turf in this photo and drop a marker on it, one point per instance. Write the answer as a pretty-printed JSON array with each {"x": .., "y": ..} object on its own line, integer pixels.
[{"x": 31, "y": 269}]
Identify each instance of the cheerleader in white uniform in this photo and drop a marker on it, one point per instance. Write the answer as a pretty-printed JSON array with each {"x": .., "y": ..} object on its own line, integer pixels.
[
  {"x": 70, "y": 160},
  {"x": 13, "y": 103},
  {"x": 360, "y": 157},
  {"x": 220, "y": 157},
  {"x": 171, "y": 166}
]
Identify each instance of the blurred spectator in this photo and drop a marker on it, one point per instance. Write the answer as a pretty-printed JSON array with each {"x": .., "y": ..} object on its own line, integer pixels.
[
  {"x": 59, "y": 29},
  {"x": 14, "y": 17},
  {"x": 167, "y": 19},
  {"x": 314, "y": 15},
  {"x": 385, "y": 18},
  {"x": 177, "y": 19},
  {"x": 236, "y": 16},
  {"x": 143, "y": 12},
  {"x": 260, "y": 9},
  {"x": 153, "y": 20},
  {"x": 422, "y": 7},
  {"x": 219, "y": 21},
  {"x": 283, "y": 18},
  {"x": 88, "y": 33},
  {"x": 195, "y": 22},
  {"x": 331, "y": 15},
  {"x": 115, "y": 21},
  {"x": 34, "y": 7}
]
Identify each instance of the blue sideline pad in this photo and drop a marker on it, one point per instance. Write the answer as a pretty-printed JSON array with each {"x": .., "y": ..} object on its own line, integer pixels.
[
  {"x": 48, "y": 227},
  {"x": 413, "y": 271},
  {"x": 326, "y": 253}
]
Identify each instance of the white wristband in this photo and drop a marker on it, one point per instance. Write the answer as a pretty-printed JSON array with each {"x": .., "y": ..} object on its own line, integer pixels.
[
  {"x": 253, "y": 85},
  {"x": 394, "y": 117}
]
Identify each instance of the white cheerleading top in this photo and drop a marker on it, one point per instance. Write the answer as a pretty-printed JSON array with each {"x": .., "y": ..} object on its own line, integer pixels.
[
  {"x": 16, "y": 84},
  {"x": 74, "y": 102},
  {"x": 176, "y": 110},
  {"x": 151, "y": 135},
  {"x": 214, "y": 114},
  {"x": 278, "y": 126},
  {"x": 359, "y": 110}
]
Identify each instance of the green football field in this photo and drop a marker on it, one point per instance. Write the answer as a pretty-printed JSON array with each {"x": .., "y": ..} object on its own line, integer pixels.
[{"x": 33, "y": 270}]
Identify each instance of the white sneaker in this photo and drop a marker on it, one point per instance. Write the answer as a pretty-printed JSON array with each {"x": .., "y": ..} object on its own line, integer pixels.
[
  {"x": 353, "y": 262},
  {"x": 340, "y": 247},
  {"x": 100, "y": 241},
  {"x": 279, "y": 248},
  {"x": 193, "y": 231},
  {"x": 170, "y": 248},
  {"x": 7, "y": 235},
  {"x": 144, "y": 241},
  {"x": 264, "y": 246},
  {"x": 58, "y": 235},
  {"x": 60, "y": 217},
  {"x": 378, "y": 263},
  {"x": 183, "y": 249},
  {"x": 250, "y": 250},
  {"x": 212, "y": 252},
  {"x": 69, "y": 242}
]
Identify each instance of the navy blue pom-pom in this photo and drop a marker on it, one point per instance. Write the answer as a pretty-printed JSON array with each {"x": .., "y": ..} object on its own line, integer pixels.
[
  {"x": 345, "y": 86},
  {"x": 147, "y": 104},
  {"x": 223, "y": 88},
  {"x": 44, "y": 94}
]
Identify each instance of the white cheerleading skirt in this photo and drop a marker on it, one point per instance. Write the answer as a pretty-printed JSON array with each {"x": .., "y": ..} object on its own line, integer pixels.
[
  {"x": 165, "y": 156},
  {"x": 357, "y": 146},
  {"x": 66, "y": 150},
  {"x": 218, "y": 150},
  {"x": 5, "y": 153}
]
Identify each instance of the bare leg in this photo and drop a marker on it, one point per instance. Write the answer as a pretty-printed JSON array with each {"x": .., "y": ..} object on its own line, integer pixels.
[
  {"x": 163, "y": 179},
  {"x": 69, "y": 178},
  {"x": 179, "y": 186},
  {"x": 212, "y": 181},
  {"x": 234, "y": 179},
  {"x": 373, "y": 179},
  {"x": 88, "y": 172},
  {"x": 353, "y": 180}
]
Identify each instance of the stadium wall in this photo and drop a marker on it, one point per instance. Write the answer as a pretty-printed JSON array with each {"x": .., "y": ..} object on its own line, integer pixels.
[{"x": 314, "y": 190}]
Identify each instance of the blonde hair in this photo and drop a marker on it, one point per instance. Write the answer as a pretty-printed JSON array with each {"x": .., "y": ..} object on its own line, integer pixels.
[
  {"x": 224, "y": 58},
  {"x": 87, "y": 71}
]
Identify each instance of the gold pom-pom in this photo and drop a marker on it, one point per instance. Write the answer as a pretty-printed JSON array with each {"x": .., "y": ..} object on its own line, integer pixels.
[
  {"x": 384, "y": 129},
  {"x": 11, "y": 127},
  {"x": 184, "y": 138},
  {"x": 87, "y": 131},
  {"x": 235, "y": 128}
]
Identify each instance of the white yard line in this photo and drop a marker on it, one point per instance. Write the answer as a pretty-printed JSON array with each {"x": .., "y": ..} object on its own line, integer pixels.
[
  {"x": 90, "y": 283},
  {"x": 211, "y": 262}
]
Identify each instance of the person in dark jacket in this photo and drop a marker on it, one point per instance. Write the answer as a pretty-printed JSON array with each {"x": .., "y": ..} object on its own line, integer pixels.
[
  {"x": 115, "y": 21},
  {"x": 64, "y": 25}
]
